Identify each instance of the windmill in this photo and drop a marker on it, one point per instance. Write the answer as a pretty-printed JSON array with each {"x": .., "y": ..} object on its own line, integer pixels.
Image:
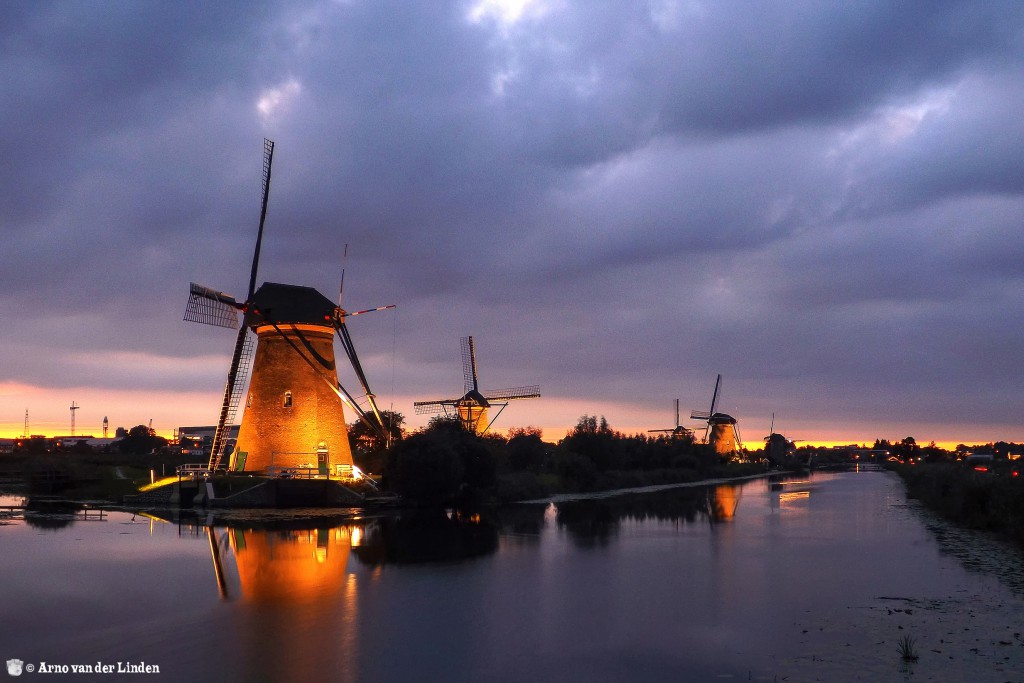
[
  {"x": 293, "y": 413},
  {"x": 778, "y": 449},
  {"x": 472, "y": 407},
  {"x": 677, "y": 432},
  {"x": 722, "y": 431}
]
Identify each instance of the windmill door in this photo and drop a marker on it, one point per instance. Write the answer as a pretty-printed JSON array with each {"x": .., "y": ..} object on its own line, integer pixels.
[{"x": 322, "y": 459}]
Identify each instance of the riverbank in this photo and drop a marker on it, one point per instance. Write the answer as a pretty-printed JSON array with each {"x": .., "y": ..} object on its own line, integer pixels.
[
  {"x": 983, "y": 500},
  {"x": 514, "y": 487}
]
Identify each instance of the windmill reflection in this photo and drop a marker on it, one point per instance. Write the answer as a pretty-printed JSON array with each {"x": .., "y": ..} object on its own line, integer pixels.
[
  {"x": 723, "y": 501},
  {"x": 291, "y": 565},
  {"x": 298, "y": 600}
]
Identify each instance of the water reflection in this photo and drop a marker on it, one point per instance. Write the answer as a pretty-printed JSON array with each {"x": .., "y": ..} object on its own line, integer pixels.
[
  {"x": 711, "y": 583},
  {"x": 594, "y": 522},
  {"x": 51, "y": 513},
  {"x": 790, "y": 493},
  {"x": 291, "y": 564},
  {"x": 434, "y": 536},
  {"x": 296, "y": 600},
  {"x": 723, "y": 501}
]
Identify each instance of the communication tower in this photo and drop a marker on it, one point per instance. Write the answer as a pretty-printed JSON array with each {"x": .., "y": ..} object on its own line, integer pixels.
[{"x": 73, "y": 409}]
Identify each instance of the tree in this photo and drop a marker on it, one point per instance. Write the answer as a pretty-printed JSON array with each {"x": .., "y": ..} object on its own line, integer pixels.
[
  {"x": 526, "y": 450},
  {"x": 441, "y": 464},
  {"x": 595, "y": 440},
  {"x": 141, "y": 441},
  {"x": 368, "y": 440}
]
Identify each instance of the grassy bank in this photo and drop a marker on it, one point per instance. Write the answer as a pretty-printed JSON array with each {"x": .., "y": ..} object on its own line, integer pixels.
[
  {"x": 979, "y": 500},
  {"x": 83, "y": 475}
]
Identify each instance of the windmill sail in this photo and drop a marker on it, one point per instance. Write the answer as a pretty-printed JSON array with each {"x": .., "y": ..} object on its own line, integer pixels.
[
  {"x": 210, "y": 307},
  {"x": 531, "y": 391},
  {"x": 268, "y": 162},
  {"x": 469, "y": 364},
  {"x": 678, "y": 430}
]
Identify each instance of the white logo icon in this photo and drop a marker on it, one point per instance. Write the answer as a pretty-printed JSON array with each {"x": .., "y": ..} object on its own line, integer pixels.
[{"x": 14, "y": 667}]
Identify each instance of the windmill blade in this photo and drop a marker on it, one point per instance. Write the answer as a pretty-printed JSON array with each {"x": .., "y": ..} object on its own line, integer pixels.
[
  {"x": 532, "y": 391},
  {"x": 341, "y": 287},
  {"x": 346, "y": 314},
  {"x": 350, "y": 351},
  {"x": 210, "y": 307},
  {"x": 268, "y": 161},
  {"x": 714, "y": 397},
  {"x": 469, "y": 364},
  {"x": 433, "y": 407},
  {"x": 700, "y": 415}
]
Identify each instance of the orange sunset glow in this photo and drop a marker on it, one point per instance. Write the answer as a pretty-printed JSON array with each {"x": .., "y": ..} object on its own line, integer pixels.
[{"x": 49, "y": 415}]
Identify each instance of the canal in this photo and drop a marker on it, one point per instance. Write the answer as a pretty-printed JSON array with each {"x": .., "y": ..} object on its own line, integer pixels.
[{"x": 803, "y": 580}]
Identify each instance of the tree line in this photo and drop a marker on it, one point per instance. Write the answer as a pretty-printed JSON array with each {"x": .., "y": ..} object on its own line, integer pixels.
[{"x": 444, "y": 463}]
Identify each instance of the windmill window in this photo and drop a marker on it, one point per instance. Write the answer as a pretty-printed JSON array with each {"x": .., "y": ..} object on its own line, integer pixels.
[
  {"x": 248, "y": 400},
  {"x": 287, "y": 399}
]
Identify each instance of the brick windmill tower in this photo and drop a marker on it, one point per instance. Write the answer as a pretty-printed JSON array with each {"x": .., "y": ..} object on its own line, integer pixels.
[{"x": 294, "y": 413}]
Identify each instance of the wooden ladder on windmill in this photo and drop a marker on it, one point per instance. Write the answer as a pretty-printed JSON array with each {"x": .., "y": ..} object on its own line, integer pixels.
[{"x": 232, "y": 399}]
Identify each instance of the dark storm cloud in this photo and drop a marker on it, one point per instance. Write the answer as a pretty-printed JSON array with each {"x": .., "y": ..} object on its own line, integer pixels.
[{"x": 618, "y": 199}]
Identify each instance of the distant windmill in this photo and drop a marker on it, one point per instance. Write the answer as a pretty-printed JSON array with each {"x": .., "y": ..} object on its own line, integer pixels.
[
  {"x": 678, "y": 431},
  {"x": 472, "y": 407},
  {"x": 777, "y": 448},
  {"x": 722, "y": 431},
  {"x": 293, "y": 412}
]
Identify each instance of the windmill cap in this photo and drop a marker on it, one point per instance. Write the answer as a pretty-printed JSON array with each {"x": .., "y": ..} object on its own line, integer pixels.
[
  {"x": 277, "y": 303},
  {"x": 474, "y": 395}
]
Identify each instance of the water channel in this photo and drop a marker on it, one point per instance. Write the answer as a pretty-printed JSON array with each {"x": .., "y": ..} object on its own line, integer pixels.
[{"x": 809, "y": 580}]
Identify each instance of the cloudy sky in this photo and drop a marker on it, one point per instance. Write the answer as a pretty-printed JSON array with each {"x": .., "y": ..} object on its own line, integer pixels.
[{"x": 619, "y": 200}]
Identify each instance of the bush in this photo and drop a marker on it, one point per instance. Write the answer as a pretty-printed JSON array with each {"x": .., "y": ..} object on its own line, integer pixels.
[{"x": 440, "y": 465}]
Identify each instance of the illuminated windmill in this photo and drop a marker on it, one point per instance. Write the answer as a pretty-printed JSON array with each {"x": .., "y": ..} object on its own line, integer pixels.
[
  {"x": 677, "y": 432},
  {"x": 472, "y": 407},
  {"x": 293, "y": 414},
  {"x": 722, "y": 431}
]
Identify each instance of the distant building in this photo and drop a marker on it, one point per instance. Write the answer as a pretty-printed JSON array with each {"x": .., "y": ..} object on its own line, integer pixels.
[
  {"x": 99, "y": 443},
  {"x": 198, "y": 440},
  {"x": 72, "y": 441}
]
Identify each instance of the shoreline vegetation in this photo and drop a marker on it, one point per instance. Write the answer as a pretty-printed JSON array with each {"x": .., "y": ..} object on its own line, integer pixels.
[
  {"x": 444, "y": 464},
  {"x": 987, "y": 499}
]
